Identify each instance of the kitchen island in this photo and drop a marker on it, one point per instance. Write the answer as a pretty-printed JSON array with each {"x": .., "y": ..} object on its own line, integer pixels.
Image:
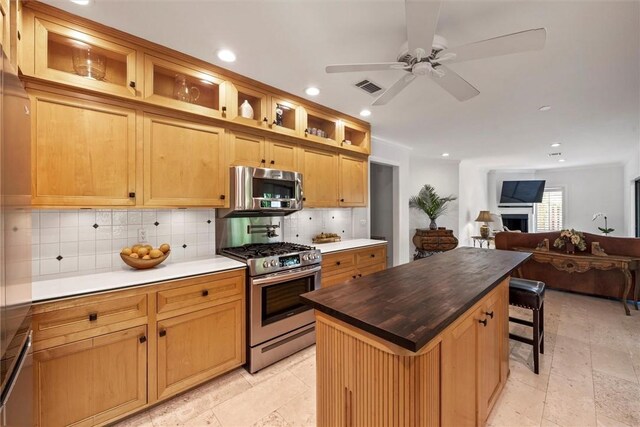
[{"x": 421, "y": 344}]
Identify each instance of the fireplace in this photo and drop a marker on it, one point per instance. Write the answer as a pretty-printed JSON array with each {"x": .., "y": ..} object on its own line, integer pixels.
[{"x": 516, "y": 222}]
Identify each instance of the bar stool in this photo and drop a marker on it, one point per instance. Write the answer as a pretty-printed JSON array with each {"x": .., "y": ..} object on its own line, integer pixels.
[{"x": 529, "y": 294}]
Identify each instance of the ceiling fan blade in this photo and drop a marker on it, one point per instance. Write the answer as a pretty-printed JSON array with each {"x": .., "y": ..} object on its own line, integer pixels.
[
  {"x": 378, "y": 66},
  {"x": 454, "y": 84},
  {"x": 422, "y": 19},
  {"x": 503, "y": 45},
  {"x": 395, "y": 89}
]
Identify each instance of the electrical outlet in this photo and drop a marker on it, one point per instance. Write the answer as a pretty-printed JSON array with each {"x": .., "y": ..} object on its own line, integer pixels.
[{"x": 142, "y": 235}]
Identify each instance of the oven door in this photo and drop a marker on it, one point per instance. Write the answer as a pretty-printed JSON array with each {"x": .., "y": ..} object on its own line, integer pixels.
[{"x": 275, "y": 307}]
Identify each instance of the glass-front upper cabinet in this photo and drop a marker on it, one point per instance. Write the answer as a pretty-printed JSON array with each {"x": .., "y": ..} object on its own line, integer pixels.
[
  {"x": 85, "y": 59},
  {"x": 320, "y": 127},
  {"x": 285, "y": 116},
  {"x": 174, "y": 84}
]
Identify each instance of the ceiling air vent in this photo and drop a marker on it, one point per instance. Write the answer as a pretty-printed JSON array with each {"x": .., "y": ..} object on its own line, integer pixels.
[
  {"x": 368, "y": 86},
  {"x": 556, "y": 154}
]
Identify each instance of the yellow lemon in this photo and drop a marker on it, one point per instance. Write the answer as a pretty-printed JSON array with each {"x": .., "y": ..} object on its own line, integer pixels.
[
  {"x": 146, "y": 257},
  {"x": 143, "y": 251},
  {"x": 155, "y": 253},
  {"x": 165, "y": 248},
  {"x": 135, "y": 248},
  {"x": 126, "y": 251},
  {"x": 134, "y": 255}
]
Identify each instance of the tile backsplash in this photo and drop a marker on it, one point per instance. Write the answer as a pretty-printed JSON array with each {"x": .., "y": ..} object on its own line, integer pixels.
[{"x": 85, "y": 241}]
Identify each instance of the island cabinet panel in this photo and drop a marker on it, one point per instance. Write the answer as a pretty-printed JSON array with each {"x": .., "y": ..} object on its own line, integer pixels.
[
  {"x": 197, "y": 346},
  {"x": 83, "y": 152},
  {"x": 453, "y": 380},
  {"x": 369, "y": 385},
  {"x": 92, "y": 381},
  {"x": 184, "y": 163}
]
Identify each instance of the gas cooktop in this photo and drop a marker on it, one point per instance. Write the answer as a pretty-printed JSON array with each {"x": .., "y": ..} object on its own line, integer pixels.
[
  {"x": 265, "y": 258},
  {"x": 261, "y": 250}
]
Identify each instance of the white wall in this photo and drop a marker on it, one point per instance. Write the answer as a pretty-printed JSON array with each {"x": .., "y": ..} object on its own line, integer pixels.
[
  {"x": 399, "y": 156},
  {"x": 473, "y": 197},
  {"x": 443, "y": 176},
  {"x": 631, "y": 173},
  {"x": 588, "y": 190}
]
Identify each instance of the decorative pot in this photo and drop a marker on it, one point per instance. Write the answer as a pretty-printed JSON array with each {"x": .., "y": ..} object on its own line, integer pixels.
[
  {"x": 433, "y": 225},
  {"x": 246, "y": 110},
  {"x": 570, "y": 248}
]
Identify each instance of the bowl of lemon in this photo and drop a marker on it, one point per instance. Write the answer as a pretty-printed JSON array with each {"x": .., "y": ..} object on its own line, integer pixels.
[{"x": 141, "y": 256}]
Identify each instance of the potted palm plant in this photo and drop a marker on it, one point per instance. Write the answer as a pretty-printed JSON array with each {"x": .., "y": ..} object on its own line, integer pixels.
[{"x": 429, "y": 202}]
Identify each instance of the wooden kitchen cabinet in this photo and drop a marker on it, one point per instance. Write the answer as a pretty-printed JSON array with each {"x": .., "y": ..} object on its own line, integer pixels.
[
  {"x": 291, "y": 116},
  {"x": 51, "y": 44},
  {"x": 475, "y": 361},
  {"x": 314, "y": 121},
  {"x": 178, "y": 85},
  {"x": 355, "y": 137},
  {"x": 92, "y": 381},
  {"x": 5, "y": 26},
  {"x": 237, "y": 94},
  {"x": 339, "y": 267},
  {"x": 353, "y": 181},
  {"x": 197, "y": 346},
  {"x": 320, "y": 173},
  {"x": 83, "y": 152},
  {"x": 184, "y": 163},
  {"x": 246, "y": 149}
]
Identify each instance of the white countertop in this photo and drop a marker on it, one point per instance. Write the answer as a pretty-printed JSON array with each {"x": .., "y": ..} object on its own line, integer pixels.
[
  {"x": 44, "y": 290},
  {"x": 326, "y": 248},
  {"x": 126, "y": 277}
]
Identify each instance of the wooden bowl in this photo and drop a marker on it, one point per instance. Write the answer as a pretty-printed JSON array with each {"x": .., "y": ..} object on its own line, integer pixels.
[{"x": 141, "y": 264}]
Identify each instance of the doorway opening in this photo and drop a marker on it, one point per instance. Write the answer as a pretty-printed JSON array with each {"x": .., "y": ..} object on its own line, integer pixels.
[
  {"x": 637, "y": 206},
  {"x": 383, "y": 181}
]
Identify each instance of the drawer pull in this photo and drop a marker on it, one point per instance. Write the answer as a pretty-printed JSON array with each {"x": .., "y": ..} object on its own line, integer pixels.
[
  {"x": 142, "y": 339},
  {"x": 489, "y": 313},
  {"x": 263, "y": 161},
  {"x": 337, "y": 262},
  {"x": 354, "y": 276},
  {"x": 373, "y": 255},
  {"x": 359, "y": 274},
  {"x": 162, "y": 332},
  {"x": 93, "y": 317},
  {"x": 205, "y": 293},
  {"x": 222, "y": 197},
  {"x": 484, "y": 322},
  {"x": 273, "y": 162}
]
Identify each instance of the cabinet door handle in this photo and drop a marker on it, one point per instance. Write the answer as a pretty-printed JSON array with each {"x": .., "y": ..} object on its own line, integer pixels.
[
  {"x": 142, "y": 339},
  {"x": 263, "y": 161},
  {"x": 224, "y": 109},
  {"x": 132, "y": 195},
  {"x": 342, "y": 200},
  {"x": 304, "y": 199},
  {"x": 484, "y": 322},
  {"x": 132, "y": 84},
  {"x": 359, "y": 274},
  {"x": 222, "y": 197},
  {"x": 93, "y": 317},
  {"x": 273, "y": 162},
  {"x": 205, "y": 293},
  {"x": 354, "y": 276},
  {"x": 265, "y": 120},
  {"x": 162, "y": 332},
  {"x": 337, "y": 262},
  {"x": 489, "y": 313}
]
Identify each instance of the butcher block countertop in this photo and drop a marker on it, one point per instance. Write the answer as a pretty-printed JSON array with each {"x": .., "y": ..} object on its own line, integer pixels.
[{"x": 410, "y": 304}]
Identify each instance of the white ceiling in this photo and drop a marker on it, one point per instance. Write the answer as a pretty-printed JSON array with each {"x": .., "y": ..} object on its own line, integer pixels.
[{"x": 589, "y": 71}]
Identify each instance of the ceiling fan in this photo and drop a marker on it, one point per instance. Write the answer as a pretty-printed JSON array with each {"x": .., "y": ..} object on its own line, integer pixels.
[{"x": 426, "y": 53}]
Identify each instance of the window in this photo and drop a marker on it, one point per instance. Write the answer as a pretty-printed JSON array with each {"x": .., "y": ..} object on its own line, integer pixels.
[{"x": 549, "y": 213}]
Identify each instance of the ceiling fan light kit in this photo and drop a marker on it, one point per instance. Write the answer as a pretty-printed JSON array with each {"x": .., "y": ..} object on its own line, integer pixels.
[{"x": 424, "y": 53}]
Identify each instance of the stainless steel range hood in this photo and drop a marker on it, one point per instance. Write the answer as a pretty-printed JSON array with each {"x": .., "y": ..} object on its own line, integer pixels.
[{"x": 260, "y": 192}]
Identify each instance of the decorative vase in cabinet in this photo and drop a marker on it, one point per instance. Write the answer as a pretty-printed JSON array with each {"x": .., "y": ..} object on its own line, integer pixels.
[{"x": 246, "y": 110}]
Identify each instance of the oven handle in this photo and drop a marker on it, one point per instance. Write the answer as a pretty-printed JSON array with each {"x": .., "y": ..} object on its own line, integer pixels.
[{"x": 288, "y": 276}]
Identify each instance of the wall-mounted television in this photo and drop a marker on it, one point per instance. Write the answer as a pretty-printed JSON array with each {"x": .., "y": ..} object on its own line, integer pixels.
[{"x": 529, "y": 191}]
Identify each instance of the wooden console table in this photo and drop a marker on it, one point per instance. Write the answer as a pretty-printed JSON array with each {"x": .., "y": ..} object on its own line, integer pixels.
[{"x": 582, "y": 262}]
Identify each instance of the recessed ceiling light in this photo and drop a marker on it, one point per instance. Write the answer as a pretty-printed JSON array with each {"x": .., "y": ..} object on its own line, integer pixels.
[
  {"x": 226, "y": 55},
  {"x": 312, "y": 91},
  {"x": 562, "y": 160},
  {"x": 545, "y": 108},
  {"x": 365, "y": 113},
  {"x": 445, "y": 154},
  {"x": 556, "y": 144}
]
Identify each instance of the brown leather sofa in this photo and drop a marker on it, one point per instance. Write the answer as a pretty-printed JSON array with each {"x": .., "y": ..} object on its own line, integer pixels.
[{"x": 593, "y": 282}]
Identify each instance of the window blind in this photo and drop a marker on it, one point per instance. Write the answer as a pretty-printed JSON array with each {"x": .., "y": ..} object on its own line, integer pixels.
[{"x": 549, "y": 212}]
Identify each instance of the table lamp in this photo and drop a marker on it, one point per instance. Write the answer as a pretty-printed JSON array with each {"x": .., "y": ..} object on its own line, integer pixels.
[{"x": 484, "y": 216}]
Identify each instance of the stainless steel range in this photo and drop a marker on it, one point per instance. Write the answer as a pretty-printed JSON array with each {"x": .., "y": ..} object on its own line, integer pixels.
[{"x": 279, "y": 324}]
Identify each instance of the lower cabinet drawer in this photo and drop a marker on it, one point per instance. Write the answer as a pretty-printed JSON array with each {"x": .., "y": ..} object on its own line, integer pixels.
[
  {"x": 337, "y": 263},
  {"x": 206, "y": 291},
  {"x": 200, "y": 345},
  {"x": 336, "y": 279},
  {"x": 92, "y": 381},
  {"x": 370, "y": 269},
  {"x": 371, "y": 255},
  {"x": 86, "y": 317}
]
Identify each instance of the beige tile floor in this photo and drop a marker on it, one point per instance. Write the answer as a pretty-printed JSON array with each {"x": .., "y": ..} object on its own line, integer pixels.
[{"x": 589, "y": 376}]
